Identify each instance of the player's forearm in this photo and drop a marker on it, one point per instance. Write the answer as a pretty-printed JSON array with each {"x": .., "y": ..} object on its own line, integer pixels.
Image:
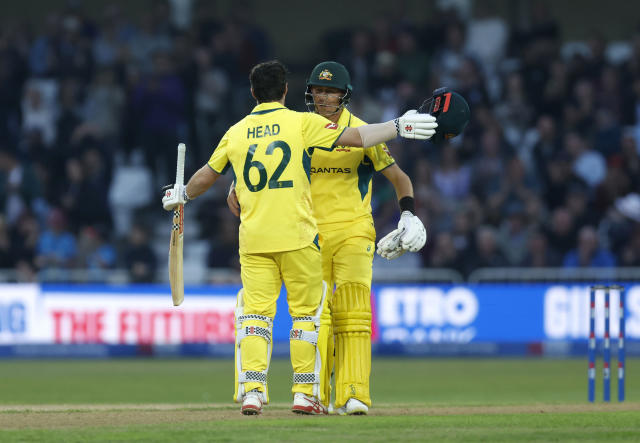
[
  {"x": 368, "y": 135},
  {"x": 400, "y": 181},
  {"x": 377, "y": 133},
  {"x": 201, "y": 181}
]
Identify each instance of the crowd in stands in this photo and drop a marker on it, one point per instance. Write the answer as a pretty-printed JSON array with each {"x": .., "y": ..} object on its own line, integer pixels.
[{"x": 92, "y": 107}]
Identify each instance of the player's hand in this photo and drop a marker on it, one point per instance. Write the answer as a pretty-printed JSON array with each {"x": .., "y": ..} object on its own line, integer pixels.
[
  {"x": 389, "y": 246},
  {"x": 232, "y": 200},
  {"x": 415, "y": 235},
  {"x": 416, "y": 126},
  {"x": 174, "y": 196}
]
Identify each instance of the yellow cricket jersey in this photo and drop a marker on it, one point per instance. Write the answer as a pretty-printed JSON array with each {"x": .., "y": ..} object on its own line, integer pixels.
[
  {"x": 341, "y": 179},
  {"x": 270, "y": 155}
]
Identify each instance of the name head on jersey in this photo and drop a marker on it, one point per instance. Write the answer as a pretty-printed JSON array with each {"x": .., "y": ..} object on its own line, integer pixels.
[
  {"x": 263, "y": 131},
  {"x": 268, "y": 81},
  {"x": 329, "y": 74}
]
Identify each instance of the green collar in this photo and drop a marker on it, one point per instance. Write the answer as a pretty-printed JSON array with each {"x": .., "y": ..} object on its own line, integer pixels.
[{"x": 264, "y": 108}]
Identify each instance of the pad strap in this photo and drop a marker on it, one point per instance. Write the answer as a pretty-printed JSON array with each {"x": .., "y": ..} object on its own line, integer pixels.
[
  {"x": 301, "y": 334},
  {"x": 242, "y": 318},
  {"x": 253, "y": 376},
  {"x": 315, "y": 319},
  {"x": 306, "y": 377},
  {"x": 255, "y": 331}
]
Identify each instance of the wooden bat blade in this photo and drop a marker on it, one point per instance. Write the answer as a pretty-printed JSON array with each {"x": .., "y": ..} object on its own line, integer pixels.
[{"x": 175, "y": 257}]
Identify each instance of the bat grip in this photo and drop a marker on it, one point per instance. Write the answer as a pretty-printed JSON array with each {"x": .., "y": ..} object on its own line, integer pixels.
[{"x": 180, "y": 164}]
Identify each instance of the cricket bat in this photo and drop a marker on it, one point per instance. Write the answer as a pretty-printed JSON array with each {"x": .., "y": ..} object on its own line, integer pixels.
[{"x": 176, "y": 278}]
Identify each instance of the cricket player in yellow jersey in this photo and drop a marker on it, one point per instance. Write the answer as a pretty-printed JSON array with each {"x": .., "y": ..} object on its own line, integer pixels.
[
  {"x": 270, "y": 152},
  {"x": 341, "y": 194}
]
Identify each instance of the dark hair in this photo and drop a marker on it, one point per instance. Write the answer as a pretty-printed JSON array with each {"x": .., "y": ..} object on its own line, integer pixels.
[{"x": 268, "y": 81}]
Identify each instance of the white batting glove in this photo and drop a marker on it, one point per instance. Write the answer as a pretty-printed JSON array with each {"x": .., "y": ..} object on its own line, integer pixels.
[
  {"x": 415, "y": 235},
  {"x": 410, "y": 236},
  {"x": 416, "y": 126},
  {"x": 389, "y": 246},
  {"x": 174, "y": 196}
]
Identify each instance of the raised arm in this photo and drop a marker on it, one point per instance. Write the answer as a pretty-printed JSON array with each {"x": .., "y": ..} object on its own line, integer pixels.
[
  {"x": 411, "y": 125},
  {"x": 202, "y": 180}
]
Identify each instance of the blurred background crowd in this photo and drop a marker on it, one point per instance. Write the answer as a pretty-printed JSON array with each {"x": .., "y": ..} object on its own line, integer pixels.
[{"x": 93, "y": 103}]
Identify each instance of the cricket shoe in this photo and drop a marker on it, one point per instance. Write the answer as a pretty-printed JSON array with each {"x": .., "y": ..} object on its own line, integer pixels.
[
  {"x": 353, "y": 406},
  {"x": 307, "y": 405},
  {"x": 252, "y": 403}
]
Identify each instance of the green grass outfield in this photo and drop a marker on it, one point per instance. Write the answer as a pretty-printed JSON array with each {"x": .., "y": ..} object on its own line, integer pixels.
[{"x": 414, "y": 399}]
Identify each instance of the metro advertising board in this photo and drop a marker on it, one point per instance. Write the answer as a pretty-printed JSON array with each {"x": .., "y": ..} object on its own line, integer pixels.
[
  {"x": 496, "y": 313},
  {"x": 403, "y": 314}
]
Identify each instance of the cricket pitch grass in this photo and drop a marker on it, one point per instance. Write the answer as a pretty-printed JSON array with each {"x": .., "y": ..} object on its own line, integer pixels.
[{"x": 463, "y": 399}]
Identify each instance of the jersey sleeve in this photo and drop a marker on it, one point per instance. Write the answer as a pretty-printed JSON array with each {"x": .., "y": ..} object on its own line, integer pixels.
[
  {"x": 380, "y": 156},
  {"x": 319, "y": 132},
  {"x": 219, "y": 160}
]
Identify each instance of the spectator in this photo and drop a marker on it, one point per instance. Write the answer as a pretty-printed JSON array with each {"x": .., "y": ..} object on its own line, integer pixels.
[
  {"x": 489, "y": 167},
  {"x": 578, "y": 203},
  {"x": 487, "y": 35},
  {"x": 24, "y": 237},
  {"x": 556, "y": 90},
  {"x": 561, "y": 232},
  {"x": 588, "y": 253},
  {"x": 211, "y": 95},
  {"x": 56, "y": 248},
  {"x": 630, "y": 161},
  {"x": 445, "y": 254},
  {"x": 514, "y": 111},
  {"x": 546, "y": 149},
  {"x": 588, "y": 164},
  {"x": 139, "y": 258},
  {"x": 630, "y": 254},
  {"x": 620, "y": 224},
  {"x": 39, "y": 113},
  {"x": 514, "y": 234},
  {"x": 19, "y": 185},
  {"x": 487, "y": 254},
  {"x": 223, "y": 252},
  {"x": 7, "y": 255},
  {"x": 449, "y": 58},
  {"x": 451, "y": 179},
  {"x": 102, "y": 108},
  {"x": 95, "y": 253},
  {"x": 413, "y": 63},
  {"x": 540, "y": 255},
  {"x": 85, "y": 199},
  {"x": 559, "y": 178}
]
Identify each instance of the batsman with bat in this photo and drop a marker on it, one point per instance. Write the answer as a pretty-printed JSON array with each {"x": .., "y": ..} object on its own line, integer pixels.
[
  {"x": 341, "y": 195},
  {"x": 270, "y": 151}
]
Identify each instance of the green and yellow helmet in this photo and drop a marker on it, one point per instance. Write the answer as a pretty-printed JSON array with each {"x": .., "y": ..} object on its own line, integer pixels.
[{"x": 330, "y": 74}]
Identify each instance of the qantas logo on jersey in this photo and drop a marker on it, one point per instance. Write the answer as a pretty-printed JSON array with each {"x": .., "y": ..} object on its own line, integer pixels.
[
  {"x": 331, "y": 170},
  {"x": 331, "y": 126},
  {"x": 325, "y": 74}
]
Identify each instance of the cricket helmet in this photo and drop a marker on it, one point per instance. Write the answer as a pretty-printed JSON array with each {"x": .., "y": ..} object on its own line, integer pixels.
[
  {"x": 451, "y": 111},
  {"x": 330, "y": 74}
]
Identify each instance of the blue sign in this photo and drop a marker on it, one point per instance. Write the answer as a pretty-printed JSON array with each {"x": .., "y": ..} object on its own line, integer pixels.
[{"x": 495, "y": 313}]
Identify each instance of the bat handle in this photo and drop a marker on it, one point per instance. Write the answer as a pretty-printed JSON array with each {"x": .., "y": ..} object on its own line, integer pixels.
[{"x": 180, "y": 164}]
